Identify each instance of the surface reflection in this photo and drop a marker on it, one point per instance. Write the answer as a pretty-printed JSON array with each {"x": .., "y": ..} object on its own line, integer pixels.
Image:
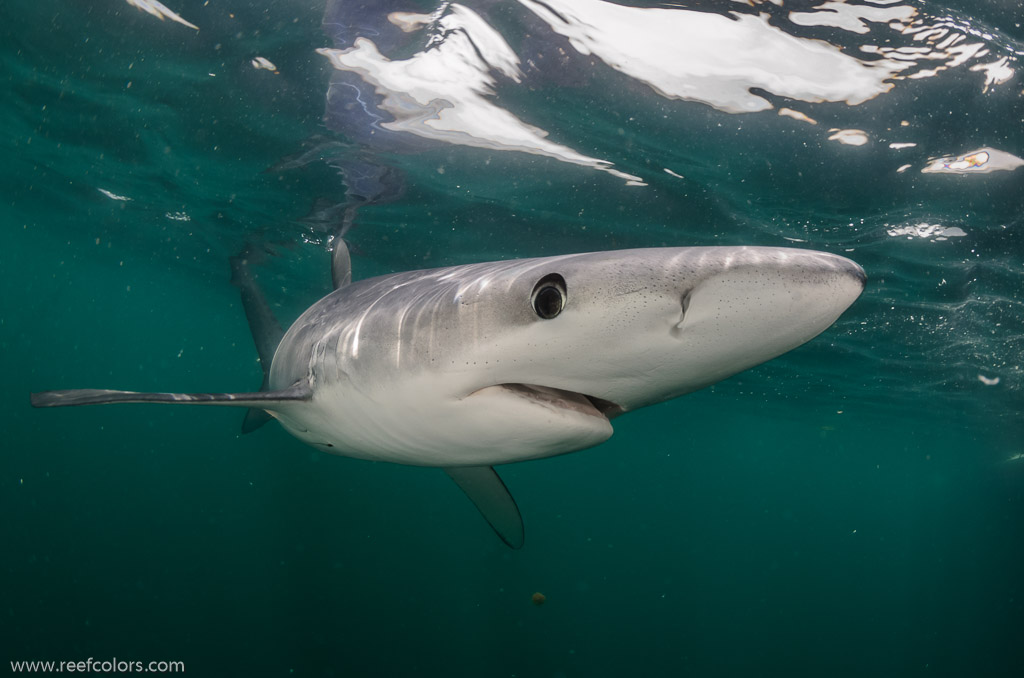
[
  {"x": 405, "y": 81},
  {"x": 160, "y": 11},
  {"x": 716, "y": 59},
  {"x": 445, "y": 92},
  {"x": 981, "y": 161}
]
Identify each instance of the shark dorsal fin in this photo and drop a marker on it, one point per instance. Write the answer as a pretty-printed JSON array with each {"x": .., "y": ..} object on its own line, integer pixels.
[{"x": 341, "y": 264}]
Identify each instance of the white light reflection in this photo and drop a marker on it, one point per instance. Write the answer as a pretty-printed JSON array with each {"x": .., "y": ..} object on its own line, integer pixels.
[
  {"x": 854, "y": 18},
  {"x": 444, "y": 93},
  {"x": 924, "y": 231},
  {"x": 714, "y": 59},
  {"x": 113, "y": 196},
  {"x": 942, "y": 43},
  {"x": 850, "y": 137},
  {"x": 797, "y": 115},
  {"x": 981, "y": 161},
  {"x": 160, "y": 11},
  {"x": 996, "y": 72}
]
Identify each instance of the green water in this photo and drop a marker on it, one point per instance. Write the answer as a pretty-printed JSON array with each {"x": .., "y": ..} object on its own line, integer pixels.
[{"x": 848, "y": 509}]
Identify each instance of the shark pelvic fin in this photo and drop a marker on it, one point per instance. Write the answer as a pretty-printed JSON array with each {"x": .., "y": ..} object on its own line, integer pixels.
[
  {"x": 265, "y": 400},
  {"x": 486, "y": 490},
  {"x": 254, "y": 418}
]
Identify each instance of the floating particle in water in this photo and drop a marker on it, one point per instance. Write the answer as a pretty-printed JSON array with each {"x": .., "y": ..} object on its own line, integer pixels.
[
  {"x": 112, "y": 195},
  {"x": 264, "y": 64},
  {"x": 988, "y": 381},
  {"x": 538, "y": 598}
]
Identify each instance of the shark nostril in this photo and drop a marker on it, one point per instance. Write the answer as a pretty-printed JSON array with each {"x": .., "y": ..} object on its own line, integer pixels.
[{"x": 685, "y": 304}]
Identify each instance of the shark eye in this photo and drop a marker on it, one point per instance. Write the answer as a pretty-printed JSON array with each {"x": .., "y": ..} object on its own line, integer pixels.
[{"x": 549, "y": 296}]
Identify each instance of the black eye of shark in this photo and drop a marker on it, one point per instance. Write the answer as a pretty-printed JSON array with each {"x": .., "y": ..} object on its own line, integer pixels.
[{"x": 549, "y": 296}]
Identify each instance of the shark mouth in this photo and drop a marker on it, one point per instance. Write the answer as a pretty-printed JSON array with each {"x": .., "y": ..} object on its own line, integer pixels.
[{"x": 564, "y": 400}]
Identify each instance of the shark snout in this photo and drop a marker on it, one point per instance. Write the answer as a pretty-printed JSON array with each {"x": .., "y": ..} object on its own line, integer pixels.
[
  {"x": 854, "y": 270},
  {"x": 756, "y": 305},
  {"x": 848, "y": 269},
  {"x": 772, "y": 292},
  {"x": 850, "y": 280}
]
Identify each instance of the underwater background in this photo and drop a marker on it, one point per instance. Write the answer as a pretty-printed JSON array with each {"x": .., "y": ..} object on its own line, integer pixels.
[{"x": 853, "y": 508}]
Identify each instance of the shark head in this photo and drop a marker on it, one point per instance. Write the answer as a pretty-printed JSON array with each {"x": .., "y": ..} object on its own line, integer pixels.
[{"x": 506, "y": 361}]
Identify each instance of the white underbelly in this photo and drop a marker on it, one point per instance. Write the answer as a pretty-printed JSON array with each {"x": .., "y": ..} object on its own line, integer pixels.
[{"x": 421, "y": 428}]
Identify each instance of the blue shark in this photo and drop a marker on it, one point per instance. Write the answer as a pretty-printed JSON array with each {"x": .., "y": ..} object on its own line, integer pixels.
[{"x": 468, "y": 367}]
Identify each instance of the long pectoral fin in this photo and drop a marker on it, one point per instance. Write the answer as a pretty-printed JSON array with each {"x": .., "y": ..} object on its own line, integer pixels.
[
  {"x": 487, "y": 491},
  {"x": 90, "y": 396}
]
